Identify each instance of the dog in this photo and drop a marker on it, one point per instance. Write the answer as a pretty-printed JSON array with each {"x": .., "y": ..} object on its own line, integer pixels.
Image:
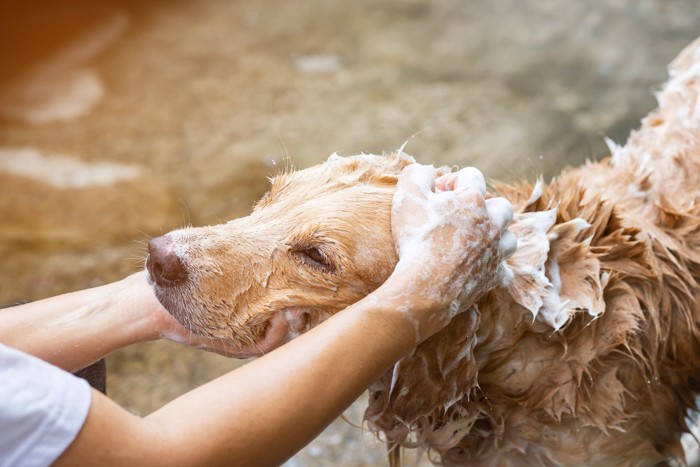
[{"x": 588, "y": 355}]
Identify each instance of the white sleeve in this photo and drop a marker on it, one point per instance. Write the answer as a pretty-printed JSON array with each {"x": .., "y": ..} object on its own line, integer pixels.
[{"x": 42, "y": 409}]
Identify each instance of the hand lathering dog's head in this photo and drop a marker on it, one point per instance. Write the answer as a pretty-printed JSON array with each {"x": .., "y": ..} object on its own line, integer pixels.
[{"x": 318, "y": 241}]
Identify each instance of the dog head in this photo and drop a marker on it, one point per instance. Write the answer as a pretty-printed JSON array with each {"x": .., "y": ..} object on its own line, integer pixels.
[{"x": 318, "y": 241}]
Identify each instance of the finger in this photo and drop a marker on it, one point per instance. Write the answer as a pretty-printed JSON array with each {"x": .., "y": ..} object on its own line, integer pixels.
[
  {"x": 446, "y": 182},
  {"x": 500, "y": 211},
  {"x": 417, "y": 179},
  {"x": 470, "y": 178},
  {"x": 508, "y": 243}
]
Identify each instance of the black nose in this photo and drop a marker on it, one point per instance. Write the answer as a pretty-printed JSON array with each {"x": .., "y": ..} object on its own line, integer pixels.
[{"x": 163, "y": 264}]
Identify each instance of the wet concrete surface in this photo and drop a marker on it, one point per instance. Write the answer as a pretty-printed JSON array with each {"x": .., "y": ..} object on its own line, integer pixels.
[{"x": 122, "y": 120}]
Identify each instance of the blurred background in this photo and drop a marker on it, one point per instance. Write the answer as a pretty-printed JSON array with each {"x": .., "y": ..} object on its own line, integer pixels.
[{"x": 121, "y": 120}]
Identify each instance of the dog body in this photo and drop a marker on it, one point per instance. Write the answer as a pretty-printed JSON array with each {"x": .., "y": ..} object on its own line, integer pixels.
[{"x": 588, "y": 355}]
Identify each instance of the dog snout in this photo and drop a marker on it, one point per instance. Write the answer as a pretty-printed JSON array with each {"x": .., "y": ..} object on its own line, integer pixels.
[{"x": 163, "y": 264}]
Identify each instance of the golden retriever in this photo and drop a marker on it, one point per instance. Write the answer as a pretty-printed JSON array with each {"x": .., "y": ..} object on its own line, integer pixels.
[{"x": 588, "y": 355}]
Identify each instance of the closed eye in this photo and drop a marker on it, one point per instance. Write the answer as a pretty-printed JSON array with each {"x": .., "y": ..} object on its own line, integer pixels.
[{"x": 315, "y": 257}]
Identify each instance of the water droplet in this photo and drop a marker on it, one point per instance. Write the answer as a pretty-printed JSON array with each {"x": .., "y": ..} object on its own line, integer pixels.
[{"x": 270, "y": 160}]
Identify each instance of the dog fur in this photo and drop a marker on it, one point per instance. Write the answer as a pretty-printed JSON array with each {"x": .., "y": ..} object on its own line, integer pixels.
[{"x": 589, "y": 355}]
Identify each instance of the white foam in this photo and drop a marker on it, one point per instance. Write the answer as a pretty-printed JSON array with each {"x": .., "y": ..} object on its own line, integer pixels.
[
  {"x": 538, "y": 222},
  {"x": 554, "y": 310},
  {"x": 334, "y": 157},
  {"x": 394, "y": 377},
  {"x": 440, "y": 209},
  {"x": 580, "y": 224},
  {"x": 536, "y": 194},
  {"x": 508, "y": 243},
  {"x": 471, "y": 178},
  {"x": 533, "y": 242},
  {"x": 500, "y": 211},
  {"x": 505, "y": 274}
]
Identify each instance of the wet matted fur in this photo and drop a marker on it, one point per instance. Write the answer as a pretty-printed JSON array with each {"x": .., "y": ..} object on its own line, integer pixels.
[{"x": 590, "y": 355}]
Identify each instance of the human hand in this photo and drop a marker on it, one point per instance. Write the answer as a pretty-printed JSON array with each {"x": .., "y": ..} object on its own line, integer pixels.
[
  {"x": 451, "y": 242},
  {"x": 157, "y": 323}
]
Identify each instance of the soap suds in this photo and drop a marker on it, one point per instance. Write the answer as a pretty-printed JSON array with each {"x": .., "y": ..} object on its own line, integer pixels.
[
  {"x": 536, "y": 193},
  {"x": 443, "y": 210}
]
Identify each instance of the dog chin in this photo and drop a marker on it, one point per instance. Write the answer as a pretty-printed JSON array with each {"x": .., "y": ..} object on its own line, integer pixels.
[
  {"x": 302, "y": 319},
  {"x": 281, "y": 327},
  {"x": 277, "y": 332}
]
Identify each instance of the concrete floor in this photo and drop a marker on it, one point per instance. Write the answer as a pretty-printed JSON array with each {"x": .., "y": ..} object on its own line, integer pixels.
[{"x": 122, "y": 120}]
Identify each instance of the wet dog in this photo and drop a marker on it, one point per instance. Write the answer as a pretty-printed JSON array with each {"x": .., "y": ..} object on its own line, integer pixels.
[{"x": 588, "y": 355}]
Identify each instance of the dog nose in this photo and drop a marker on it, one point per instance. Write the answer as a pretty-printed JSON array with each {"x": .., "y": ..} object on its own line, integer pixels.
[{"x": 163, "y": 264}]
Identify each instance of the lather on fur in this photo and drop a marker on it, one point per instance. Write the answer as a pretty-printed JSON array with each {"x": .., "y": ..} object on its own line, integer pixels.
[{"x": 590, "y": 355}]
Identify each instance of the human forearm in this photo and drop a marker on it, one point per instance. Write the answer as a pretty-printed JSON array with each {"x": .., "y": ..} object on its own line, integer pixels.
[
  {"x": 77, "y": 329},
  {"x": 321, "y": 373},
  {"x": 264, "y": 412}
]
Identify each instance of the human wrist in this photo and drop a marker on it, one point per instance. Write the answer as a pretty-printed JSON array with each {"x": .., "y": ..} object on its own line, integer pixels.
[
  {"x": 381, "y": 321},
  {"x": 399, "y": 300},
  {"x": 149, "y": 320},
  {"x": 136, "y": 309}
]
